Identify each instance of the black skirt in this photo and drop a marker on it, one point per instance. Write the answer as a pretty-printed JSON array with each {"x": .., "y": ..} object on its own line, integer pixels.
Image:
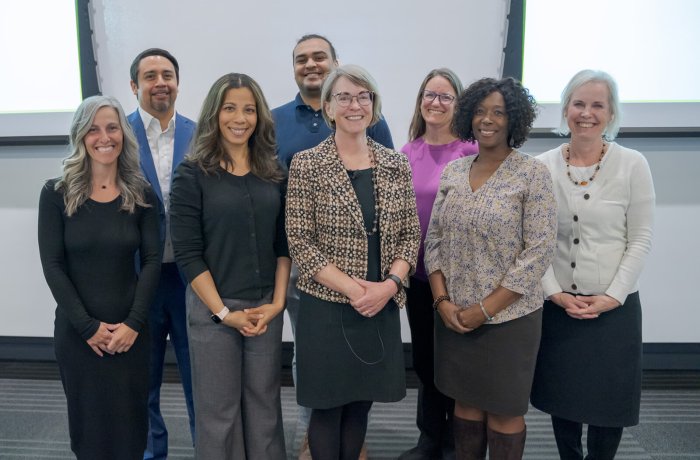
[
  {"x": 344, "y": 357},
  {"x": 490, "y": 368},
  {"x": 590, "y": 371}
]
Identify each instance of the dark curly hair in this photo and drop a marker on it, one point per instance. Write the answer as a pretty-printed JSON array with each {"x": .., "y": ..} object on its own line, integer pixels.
[{"x": 520, "y": 106}]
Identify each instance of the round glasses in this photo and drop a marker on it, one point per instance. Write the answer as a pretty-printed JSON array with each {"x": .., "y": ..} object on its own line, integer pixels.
[
  {"x": 444, "y": 98},
  {"x": 364, "y": 98}
]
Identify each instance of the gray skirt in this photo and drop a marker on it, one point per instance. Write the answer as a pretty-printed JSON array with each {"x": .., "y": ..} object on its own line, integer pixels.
[{"x": 490, "y": 368}]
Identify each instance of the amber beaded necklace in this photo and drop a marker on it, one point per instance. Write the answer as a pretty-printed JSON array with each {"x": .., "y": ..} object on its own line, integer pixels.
[{"x": 583, "y": 183}]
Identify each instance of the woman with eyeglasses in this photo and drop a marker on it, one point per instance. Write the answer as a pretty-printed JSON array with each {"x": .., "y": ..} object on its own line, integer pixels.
[
  {"x": 433, "y": 144},
  {"x": 491, "y": 237},
  {"x": 354, "y": 233}
]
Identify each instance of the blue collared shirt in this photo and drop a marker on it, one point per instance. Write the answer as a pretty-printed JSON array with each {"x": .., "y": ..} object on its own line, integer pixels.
[{"x": 299, "y": 127}]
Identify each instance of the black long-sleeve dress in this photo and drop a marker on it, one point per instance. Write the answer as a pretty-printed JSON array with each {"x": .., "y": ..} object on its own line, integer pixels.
[{"x": 90, "y": 264}]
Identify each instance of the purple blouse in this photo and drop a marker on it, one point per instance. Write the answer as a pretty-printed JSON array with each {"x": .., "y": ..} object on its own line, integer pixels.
[{"x": 427, "y": 162}]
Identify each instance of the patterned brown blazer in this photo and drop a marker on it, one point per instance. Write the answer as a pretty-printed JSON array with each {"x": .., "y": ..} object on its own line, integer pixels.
[{"x": 324, "y": 219}]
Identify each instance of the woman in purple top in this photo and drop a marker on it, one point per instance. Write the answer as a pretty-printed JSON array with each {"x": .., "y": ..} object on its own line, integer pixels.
[{"x": 432, "y": 145}]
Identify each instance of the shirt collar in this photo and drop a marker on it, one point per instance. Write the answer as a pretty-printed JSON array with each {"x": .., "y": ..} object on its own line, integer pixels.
[
  {"x": 300, "y": 103},
  {"x": 147, "y": 119}
]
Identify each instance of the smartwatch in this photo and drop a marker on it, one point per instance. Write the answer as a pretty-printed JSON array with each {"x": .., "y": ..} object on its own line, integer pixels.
[{"x": 219, "y": 317}]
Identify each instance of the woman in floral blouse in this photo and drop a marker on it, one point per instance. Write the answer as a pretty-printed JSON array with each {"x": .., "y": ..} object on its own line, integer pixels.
[{"x": 490, "y": 240}]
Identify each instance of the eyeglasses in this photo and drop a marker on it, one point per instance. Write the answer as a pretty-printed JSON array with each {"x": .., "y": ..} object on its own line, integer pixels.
[
  {"x": 345, "y": 99},
  {"x": 444, "y": 98}
]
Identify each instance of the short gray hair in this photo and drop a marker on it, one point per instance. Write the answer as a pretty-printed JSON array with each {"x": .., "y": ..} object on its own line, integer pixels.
[
  {"x": 580, "y": 79},
  {"x": 358, "y": 76}
]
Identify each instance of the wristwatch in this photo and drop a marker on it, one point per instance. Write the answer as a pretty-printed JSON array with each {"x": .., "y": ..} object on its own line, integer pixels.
[
  {"x": 219, "y": 317},
  {"x": 396, "y": 280}
]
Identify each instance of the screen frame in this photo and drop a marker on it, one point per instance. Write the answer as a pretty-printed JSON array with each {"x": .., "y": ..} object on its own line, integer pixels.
[
  {"x": 513, "y": 54},
  {"x": 89, "y": 81}
]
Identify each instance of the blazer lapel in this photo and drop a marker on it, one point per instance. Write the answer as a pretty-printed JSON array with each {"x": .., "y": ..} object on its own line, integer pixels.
[
  {"x": 147, "y": 165},
  {"x": 339, "y": 182}
]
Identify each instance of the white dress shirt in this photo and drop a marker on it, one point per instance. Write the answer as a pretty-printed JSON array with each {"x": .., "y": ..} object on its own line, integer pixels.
[
  {"x": 604, "y": 228},
  {"x": 162, "y": 145}
]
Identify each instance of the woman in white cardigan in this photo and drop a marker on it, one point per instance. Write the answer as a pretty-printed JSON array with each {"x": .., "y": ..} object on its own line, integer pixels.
[{"x": 589, "y": 363}]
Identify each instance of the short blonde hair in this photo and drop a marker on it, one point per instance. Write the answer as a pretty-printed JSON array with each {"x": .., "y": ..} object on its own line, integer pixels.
[
  {"x": 358, "y": 76},
  {"x": 587, "y": 76}
]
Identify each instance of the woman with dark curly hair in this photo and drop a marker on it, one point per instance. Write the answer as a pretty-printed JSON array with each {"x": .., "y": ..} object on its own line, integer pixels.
[
  {"x": 227, "y": 209},
  {"x": 490, "y": 239}
]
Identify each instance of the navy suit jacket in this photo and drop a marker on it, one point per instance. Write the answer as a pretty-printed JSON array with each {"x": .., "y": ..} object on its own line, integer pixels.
[{"x": 184, "y": 130}]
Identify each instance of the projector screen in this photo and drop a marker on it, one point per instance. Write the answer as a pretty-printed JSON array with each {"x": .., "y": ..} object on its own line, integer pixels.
[
  {"x": 650, "y": 47},
  {"x": 40, "y": 84}
]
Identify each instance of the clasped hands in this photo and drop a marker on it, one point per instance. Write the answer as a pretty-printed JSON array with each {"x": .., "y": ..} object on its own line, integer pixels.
[
  {"x": 584, "y": 306},
  {"x": 251, "y": 322},
  {"x": 369, "y": 297},
  {"x": 461, "y": 319},
  {"x": 112, "y": 338}
]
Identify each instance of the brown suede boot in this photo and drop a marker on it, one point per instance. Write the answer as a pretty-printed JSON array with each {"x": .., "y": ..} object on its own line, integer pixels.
[
  {"x": 470, "y": 439},
  {"x": 504, "y": 446}
]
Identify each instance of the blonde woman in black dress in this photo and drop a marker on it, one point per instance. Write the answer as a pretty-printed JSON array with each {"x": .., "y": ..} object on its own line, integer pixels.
[{"x": 94, "y": 221}]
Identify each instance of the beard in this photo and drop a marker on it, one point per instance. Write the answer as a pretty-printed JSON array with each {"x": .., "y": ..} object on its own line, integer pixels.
[{"x": 161, "y": 106}]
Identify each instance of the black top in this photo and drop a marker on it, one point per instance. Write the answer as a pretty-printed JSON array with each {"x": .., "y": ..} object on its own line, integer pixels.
[
  {"x": 88, "y": 260},
  {"x": 361, "y": 180},
  {"x": 231, "y": 225}
]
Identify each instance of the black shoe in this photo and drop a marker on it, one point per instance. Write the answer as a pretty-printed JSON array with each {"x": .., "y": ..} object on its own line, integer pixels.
[
  {"x": 421, "y": 452},
  {"x": 448, "y": 453}
]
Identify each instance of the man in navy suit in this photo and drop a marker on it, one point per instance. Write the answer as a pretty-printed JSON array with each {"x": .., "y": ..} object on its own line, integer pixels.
[{"x": 164, "y": 138}]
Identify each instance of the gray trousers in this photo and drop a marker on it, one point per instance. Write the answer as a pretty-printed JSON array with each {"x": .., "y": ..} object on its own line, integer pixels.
[{"x": 236, "y": 385}]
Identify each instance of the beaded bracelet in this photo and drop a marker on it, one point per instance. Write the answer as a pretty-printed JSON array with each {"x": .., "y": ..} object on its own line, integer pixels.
[{"x": 439, "y": 299}]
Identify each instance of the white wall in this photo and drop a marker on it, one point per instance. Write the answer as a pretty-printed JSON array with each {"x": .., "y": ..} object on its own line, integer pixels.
[{"x": 398, "y": 42}]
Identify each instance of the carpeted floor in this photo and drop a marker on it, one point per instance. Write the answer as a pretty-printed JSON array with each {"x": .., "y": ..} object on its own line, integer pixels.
[{"x": 33, "y": 421}]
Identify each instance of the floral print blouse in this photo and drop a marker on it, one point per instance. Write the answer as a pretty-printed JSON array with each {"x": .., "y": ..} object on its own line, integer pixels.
[{"x": 502, "y": 234}]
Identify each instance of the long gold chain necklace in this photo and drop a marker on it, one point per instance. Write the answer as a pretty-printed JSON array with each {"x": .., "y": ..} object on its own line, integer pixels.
[
  {"x": 375, "y": 192},
  {"x": 373, "y": 171}
]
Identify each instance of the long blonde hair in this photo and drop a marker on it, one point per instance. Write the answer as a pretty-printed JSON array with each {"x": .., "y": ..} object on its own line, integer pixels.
[{"x": 75, "y": 182}]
